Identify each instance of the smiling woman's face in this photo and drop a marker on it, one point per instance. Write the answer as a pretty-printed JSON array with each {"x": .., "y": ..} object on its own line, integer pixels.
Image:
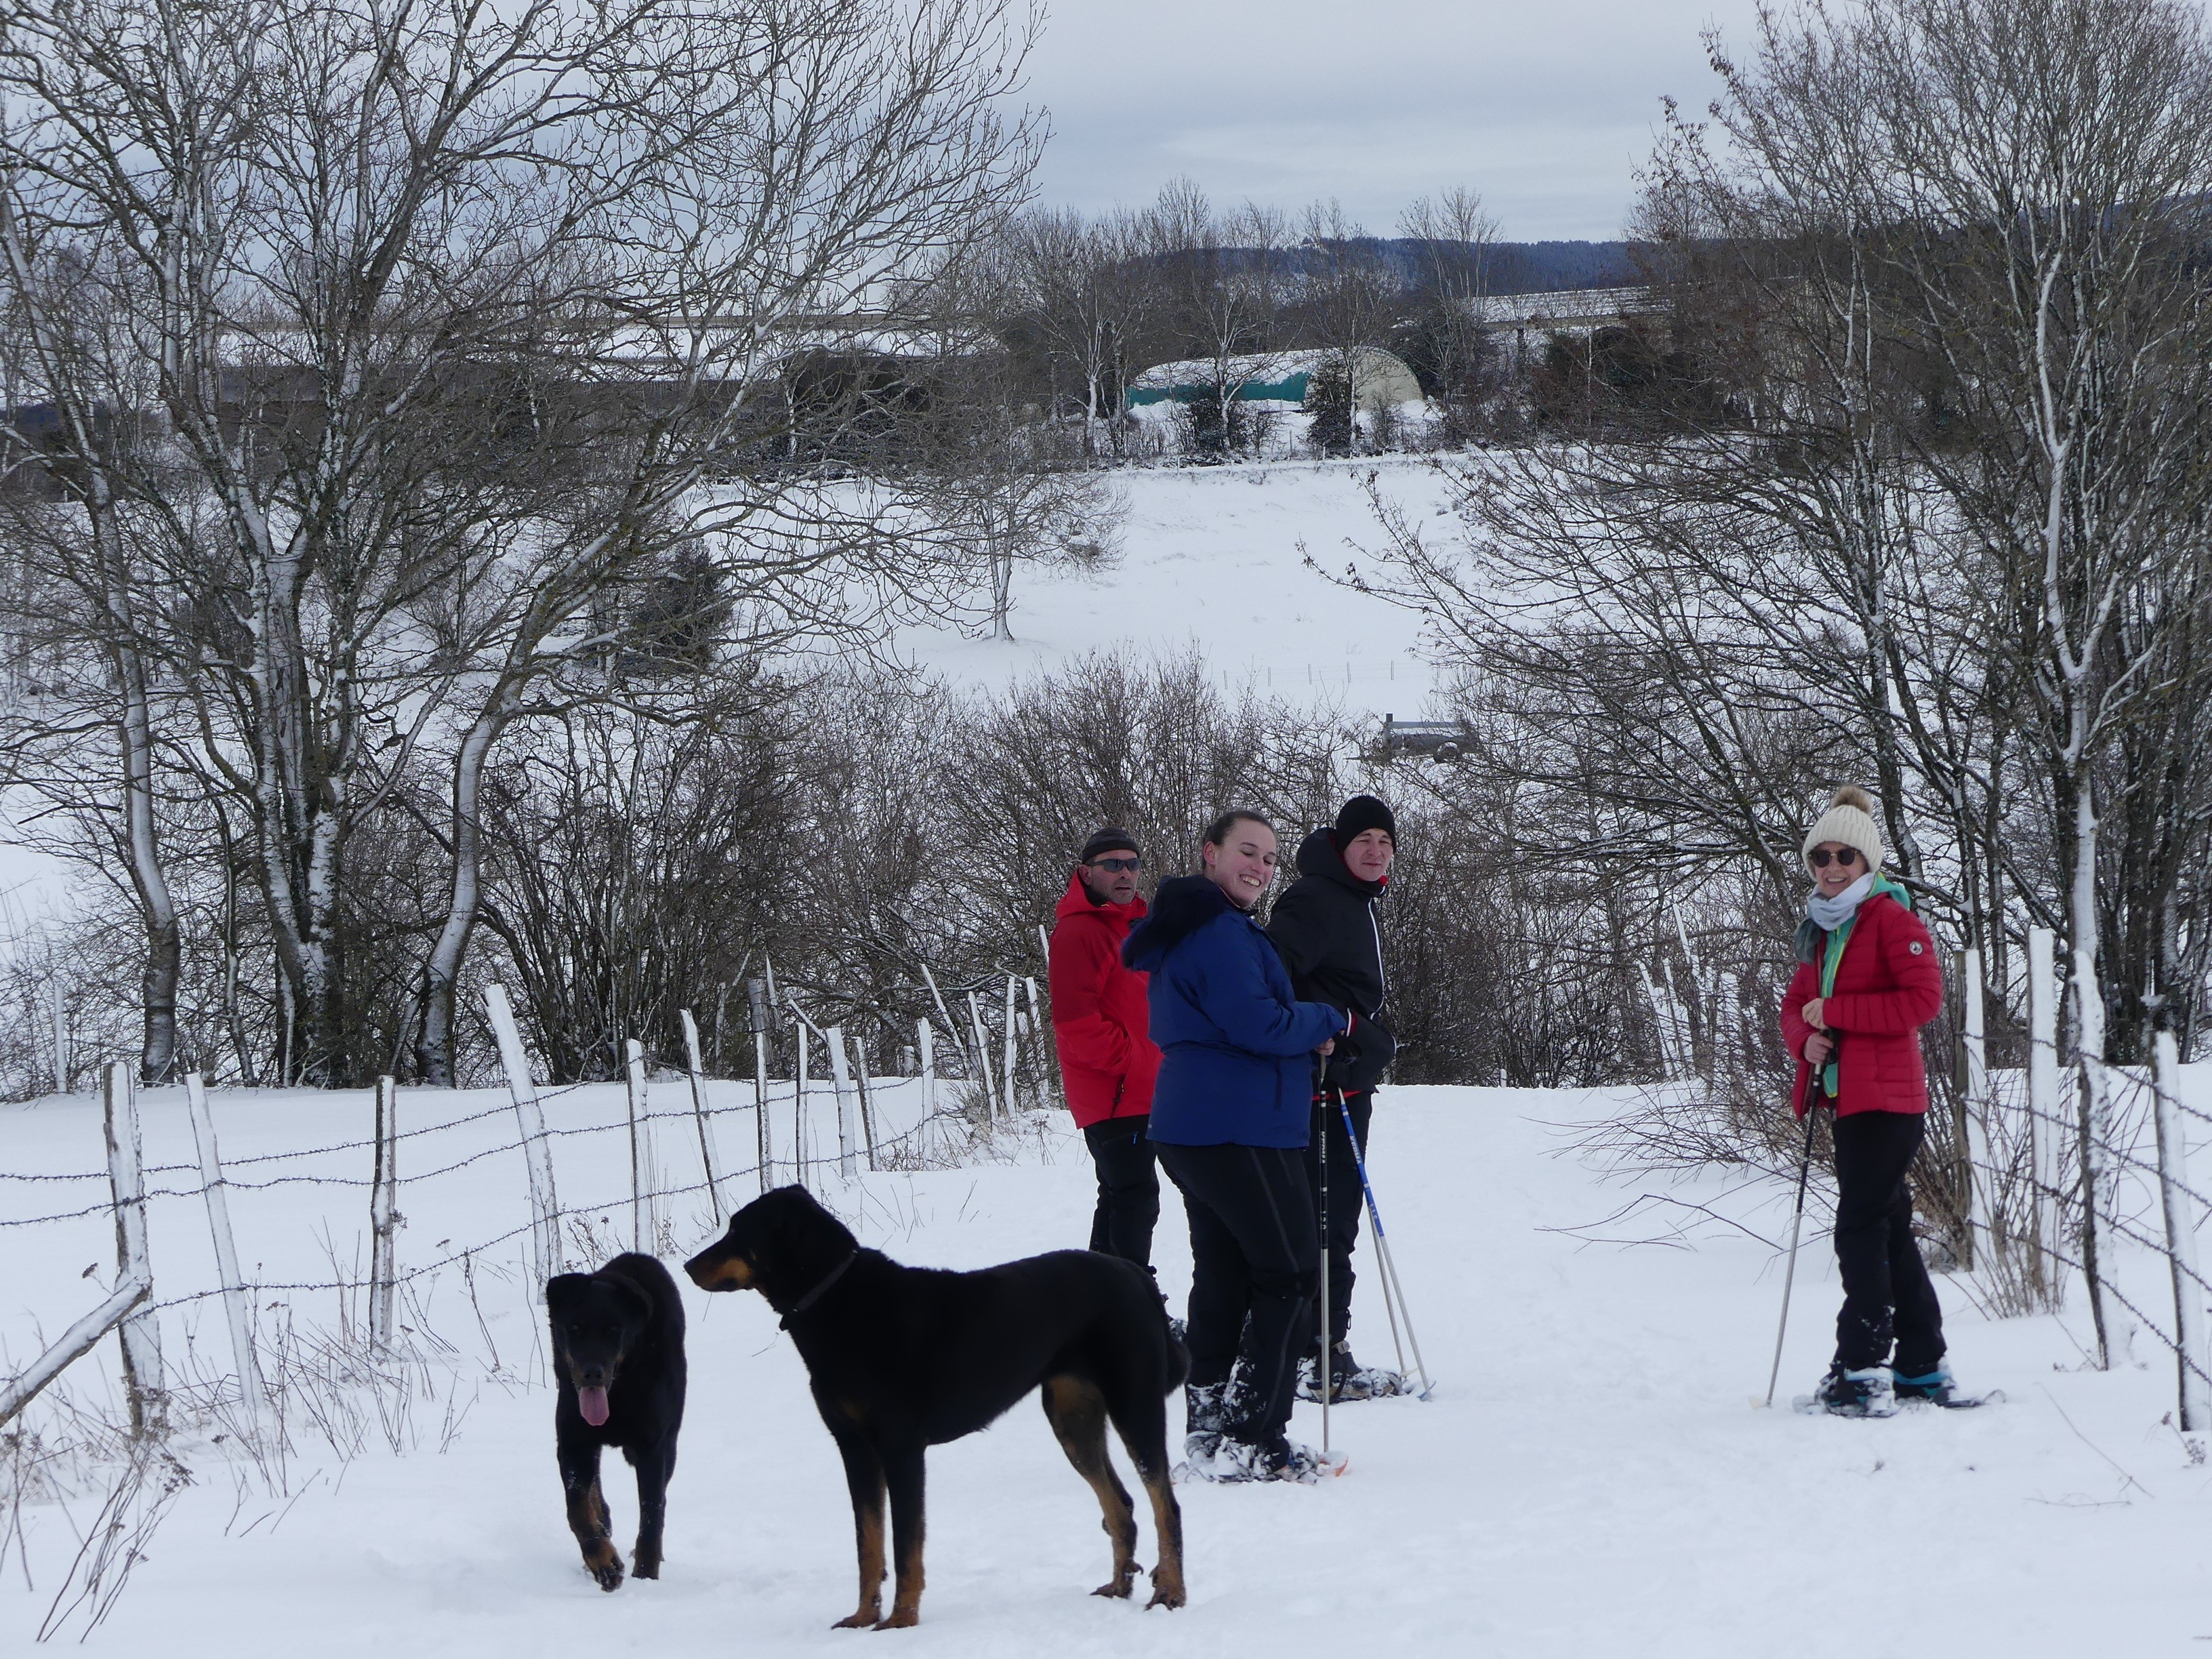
[
  {"x": 1242, "y": 865},
  {"x": 1845, "y": 866}
]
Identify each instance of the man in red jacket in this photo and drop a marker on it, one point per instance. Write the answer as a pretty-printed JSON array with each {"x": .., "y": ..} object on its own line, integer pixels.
[
  {"x": 1867, "y": 980},
  {"x": 1107, "y": 1060}
]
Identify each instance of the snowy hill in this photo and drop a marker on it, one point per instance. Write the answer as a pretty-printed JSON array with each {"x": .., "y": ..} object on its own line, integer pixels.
[
  {"x": 1589, "y": 1480},
  {"x": 1211, "y": 558}
]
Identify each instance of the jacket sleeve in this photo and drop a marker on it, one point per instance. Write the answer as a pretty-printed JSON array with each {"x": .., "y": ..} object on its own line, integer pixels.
[
  {"x": 1803, "y": 986},
  {"x": 1296, "y": 926},
  {"x": 1916, "y": 996},
  {"x": 1078, "y": 965},
  {"x": 1229, "y": 978}
]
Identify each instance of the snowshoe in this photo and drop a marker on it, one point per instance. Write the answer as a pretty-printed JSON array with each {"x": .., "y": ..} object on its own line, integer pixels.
[
  {"x": 1938, "y": 1387},
  {"x": 1240, "y": 1463},
  {"x": 1206, "y": 1416},
  {"x": 1844, "y": 1393},
  {"x": 1349, "y": 1379}
]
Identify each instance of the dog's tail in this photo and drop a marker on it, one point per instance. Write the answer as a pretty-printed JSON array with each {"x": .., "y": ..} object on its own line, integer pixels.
[{"x": 1178, "y": 1355}]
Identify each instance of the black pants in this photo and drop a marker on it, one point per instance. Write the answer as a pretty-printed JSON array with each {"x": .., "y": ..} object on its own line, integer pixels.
[
  {"x": 1887, "y": 1292},
  {"x": 1253, "y": 1252},
  {"x": 1128, "y": 1188},
  {"x": 1342, "y": 1204}
]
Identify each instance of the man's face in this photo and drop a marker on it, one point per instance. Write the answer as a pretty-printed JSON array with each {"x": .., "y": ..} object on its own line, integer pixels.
[
  {"x": 1112, "y": 877},
  {"x": 1368, "y": 854}
]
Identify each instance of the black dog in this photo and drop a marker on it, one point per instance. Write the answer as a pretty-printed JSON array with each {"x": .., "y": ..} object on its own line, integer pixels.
[
  {"x": 904, "y": 1358},
  {"x": 618, "y": 1357}
]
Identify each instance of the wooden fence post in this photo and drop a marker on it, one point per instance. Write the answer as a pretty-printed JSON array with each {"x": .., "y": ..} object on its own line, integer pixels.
[
  {"x": 140, "y": 1328},
  {"x": 384, "y": 1218},
  {"x": 798, "y": 1107},
  {"x": 226, "y": 1250},
  {"x": 1044, "y": 1054},
  {"x": 60, "y": 1037},
  {"x": 2044, "y": 1122},
  {"x": 644, "y": 1165},
  {"x": 841, "y": 1080},
  {"x": 2181, "y": 1219},
  {"x": 1981, "y": 1206},
  {"x": 1008, "y": 1070},
  {"x": 544, "y": 1205},
  {"x": 926, "y": 1048},
  {"x": 697, "y": 1069},
  {"x": 983, "y": 1058},
  {"x": 76, "y": 1342},
  {"x": 867, "y": 1101},
  {"x": 757, "y": 995}
]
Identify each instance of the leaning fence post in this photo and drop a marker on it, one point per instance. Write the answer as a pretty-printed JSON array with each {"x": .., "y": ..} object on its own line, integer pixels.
[
  {"x": 697, "y": 1069},
  {"x": 841, "y": 1081},
  {"x": 983, "y": 1057},
  {"x": 798, "y": 1108},
  {"x": 2181, "y": 1219},
  {"x": 141, "y": 1329},
  {"x": 2043, "y": 1120},
  {"x": 226, "y": 1248},
  {"x": 383, "y": 1216},
  {"x": 1041, "y": 1051},
  {"x": 545, "y": 1207},
  {"x": 644, "y": 1163},
  {"x": 867, "y": 1102}
]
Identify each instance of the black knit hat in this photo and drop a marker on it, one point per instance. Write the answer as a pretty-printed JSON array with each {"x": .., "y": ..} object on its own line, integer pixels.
[
  {"x": 1364, "y": 813},
  {"x": 1107, "y": 841}
]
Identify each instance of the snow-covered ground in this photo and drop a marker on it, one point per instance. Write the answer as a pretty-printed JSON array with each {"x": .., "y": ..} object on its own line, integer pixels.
[
  {"x": 1210, "y": 558},
  {"x": 1590, "y": 1478}
]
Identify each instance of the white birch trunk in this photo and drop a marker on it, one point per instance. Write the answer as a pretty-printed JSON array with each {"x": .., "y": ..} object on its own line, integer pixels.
[{"x": 2045, "y": 1125}]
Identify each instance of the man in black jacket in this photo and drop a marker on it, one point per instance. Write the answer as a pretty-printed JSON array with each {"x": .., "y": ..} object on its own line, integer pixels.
[{"x": 1324, "y": 927}]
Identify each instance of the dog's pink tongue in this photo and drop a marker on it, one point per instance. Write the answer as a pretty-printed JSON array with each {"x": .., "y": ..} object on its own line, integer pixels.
[{"x": 592, "y": 1402}]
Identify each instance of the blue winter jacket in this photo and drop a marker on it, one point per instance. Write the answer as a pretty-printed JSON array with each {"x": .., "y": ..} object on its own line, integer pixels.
[{"x": 1238, "y": 1061}]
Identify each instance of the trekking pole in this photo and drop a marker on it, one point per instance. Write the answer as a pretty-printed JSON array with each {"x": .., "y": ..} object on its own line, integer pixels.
[
  {"x": 1391, "y": 1279},
  {"x": 1326, "y": 1371},
  {"x": 1389, "y": 1296},
  {"x": 1789, "y": 1274}
]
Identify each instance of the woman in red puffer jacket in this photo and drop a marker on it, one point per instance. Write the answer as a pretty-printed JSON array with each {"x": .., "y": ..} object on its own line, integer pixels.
[{"x": 1867, "y": 980}]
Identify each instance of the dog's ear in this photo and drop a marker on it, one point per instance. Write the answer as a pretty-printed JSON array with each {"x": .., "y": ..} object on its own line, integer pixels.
[{"x": 562, "y": 1290}]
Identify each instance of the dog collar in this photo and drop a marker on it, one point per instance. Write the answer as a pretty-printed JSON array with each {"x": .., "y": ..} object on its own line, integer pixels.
[{"x": 817, "y": 1292}]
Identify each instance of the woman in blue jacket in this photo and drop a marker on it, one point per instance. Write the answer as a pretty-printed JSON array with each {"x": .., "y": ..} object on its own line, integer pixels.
[{"x": 1231, "y": 1112}]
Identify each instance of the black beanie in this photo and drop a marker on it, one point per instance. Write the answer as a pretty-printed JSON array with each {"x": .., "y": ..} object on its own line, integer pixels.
[
  {"x": 1362, "y": 813},
  {"x": 1107, "y": 841}
]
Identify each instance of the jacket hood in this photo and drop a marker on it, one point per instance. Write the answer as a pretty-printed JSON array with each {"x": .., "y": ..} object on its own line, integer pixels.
[
  {"x": 1076, "y": 902},
  {"x": 1318, "y": 856},
  {"x": 1183, "y": 905}
]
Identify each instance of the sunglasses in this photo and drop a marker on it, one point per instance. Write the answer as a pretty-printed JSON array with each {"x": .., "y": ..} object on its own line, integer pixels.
[
  {"x": 1118, "y": 866},
  {"x": 1847, "y": 857}
]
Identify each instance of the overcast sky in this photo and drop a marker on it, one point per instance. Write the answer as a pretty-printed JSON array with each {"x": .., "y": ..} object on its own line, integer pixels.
[{"x": 1545, "y": 106}]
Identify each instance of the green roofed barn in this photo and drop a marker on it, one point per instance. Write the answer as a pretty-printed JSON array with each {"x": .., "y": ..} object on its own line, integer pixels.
[{"x": 1380, "y": 379}]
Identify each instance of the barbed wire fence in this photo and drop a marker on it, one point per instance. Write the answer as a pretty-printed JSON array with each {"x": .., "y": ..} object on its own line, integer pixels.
[{"x": 669, "y": 1133}]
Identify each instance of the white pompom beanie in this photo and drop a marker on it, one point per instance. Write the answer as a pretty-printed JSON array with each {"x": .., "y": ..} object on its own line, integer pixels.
[{"x": 1849, "y": 819}]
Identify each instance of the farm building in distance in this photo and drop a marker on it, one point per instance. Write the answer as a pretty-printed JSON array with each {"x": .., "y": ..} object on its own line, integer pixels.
[{"x": 1380, "y": 379}]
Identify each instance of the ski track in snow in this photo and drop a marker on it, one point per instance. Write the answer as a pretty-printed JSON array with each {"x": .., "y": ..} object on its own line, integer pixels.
[
  {"x": 1589, "y": 1480},
  {"x": 1210, "y": 559}
]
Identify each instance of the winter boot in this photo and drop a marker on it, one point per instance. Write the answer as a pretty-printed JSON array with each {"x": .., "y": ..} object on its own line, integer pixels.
[
  {"x": 1352, "y": 1381},
  {"x": 1844, "y": 1393},
  {"x": 1205, "y": 1415},
  {"x": 1936, "y": 1385}
]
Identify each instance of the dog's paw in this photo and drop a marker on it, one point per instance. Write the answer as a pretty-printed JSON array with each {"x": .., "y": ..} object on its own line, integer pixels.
[
  {"x": 644, "y": 1564},
  {"x": 606, "y": 1565},
  {"x": 900, "y": 1619},
  {"x": 864, "y": 1620},
  {"x": 1117, "y": 1589},
  {"x": 1166, "y": 1594}
]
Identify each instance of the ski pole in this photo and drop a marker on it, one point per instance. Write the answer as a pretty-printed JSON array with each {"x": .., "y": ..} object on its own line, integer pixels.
[
  {"x": 1789, "y": 1274},
  {"x": 1327, "y": 1370},
  {"x": 1389, "y": 1296},
  {"x": 1383, "y": 1249}
]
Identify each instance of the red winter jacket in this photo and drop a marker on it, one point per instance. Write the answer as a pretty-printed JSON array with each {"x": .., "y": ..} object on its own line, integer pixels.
[
  {"x": 1106, "y": 1061},
  {"x": 1887, "y": 987}
]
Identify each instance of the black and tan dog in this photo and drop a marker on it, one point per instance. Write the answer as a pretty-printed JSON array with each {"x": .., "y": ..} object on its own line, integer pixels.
[
  {"x": 618, "y": 1358},
  {"x": 904, "y": 1358}
]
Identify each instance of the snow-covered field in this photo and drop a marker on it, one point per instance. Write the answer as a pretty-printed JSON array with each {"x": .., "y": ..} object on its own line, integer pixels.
[
  {"x": 1210, "y": 558},
  {"x": 1590, "y": 1478}
]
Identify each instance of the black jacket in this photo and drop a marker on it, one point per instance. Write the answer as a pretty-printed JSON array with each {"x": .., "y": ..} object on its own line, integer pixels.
[{"x": 1324, "y": 926}]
